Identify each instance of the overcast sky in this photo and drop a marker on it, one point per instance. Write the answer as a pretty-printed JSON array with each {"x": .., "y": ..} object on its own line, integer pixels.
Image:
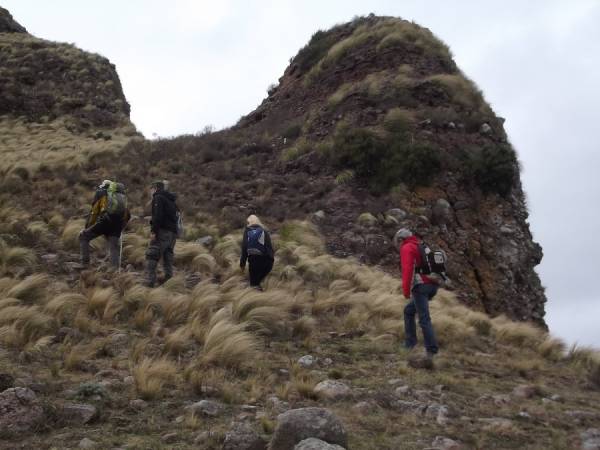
[{"x": 185, "y": 64}]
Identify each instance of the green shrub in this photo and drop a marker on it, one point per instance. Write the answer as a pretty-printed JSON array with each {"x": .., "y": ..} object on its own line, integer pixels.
[
  {"x": 494, "y": 169},
  {"x": 384, "y": 161},
  {"x": 292, "y": 132},
  {"x": 313, "y": 52}
]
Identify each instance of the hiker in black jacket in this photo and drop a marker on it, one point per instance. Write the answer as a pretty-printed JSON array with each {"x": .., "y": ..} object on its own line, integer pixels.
[
  {"x": 257, "y": 250},
  {"x": 164, "y": 232}
]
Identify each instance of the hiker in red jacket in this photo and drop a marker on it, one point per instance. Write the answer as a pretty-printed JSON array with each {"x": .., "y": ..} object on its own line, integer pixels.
[{"x": 417, "y": 288}]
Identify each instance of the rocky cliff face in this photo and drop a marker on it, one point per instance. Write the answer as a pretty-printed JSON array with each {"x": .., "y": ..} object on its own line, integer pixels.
[
  {"x": 8, "y": 24},
  {"x": 375, "y": 74},
  {"x": 43, "y": 80}
]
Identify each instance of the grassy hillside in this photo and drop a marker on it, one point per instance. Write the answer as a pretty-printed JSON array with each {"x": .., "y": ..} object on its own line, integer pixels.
[{"x": 102, "y": 339}]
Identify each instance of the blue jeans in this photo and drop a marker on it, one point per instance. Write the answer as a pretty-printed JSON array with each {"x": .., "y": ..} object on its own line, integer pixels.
[{"x": 419, "y": 304}]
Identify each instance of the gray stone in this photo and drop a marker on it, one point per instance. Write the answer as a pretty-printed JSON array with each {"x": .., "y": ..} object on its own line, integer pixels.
[
  {"x": 364, "y": 407},
  {"x": 525, "y": 391},
  {"x": 204, "y": 436},
  {"x": 50, "y": 258},
  {"x": 78, "y": 413},
  {"x": 207, "y": 408},
  {"x": 444, "y": 443},
  {"x": 590, "y": 439},
  {"x": 438, "y": 412},
  {"x": 316, "y": 444},
  {"x": 397, "y": 213},
  {"x": 402, "y": 390},
  {"x": 138, "y": 404},
  {"x": 496, "y": 423},
  {"x": 207, "y": 241},
  {"x": 307, "y": 361},
  {"x": 20, "y": 410},
  {"x": 169, "y": 438},
  {"x": 332, "y": 389},
  {"x": 319, "y": 216},
  {"x": 119, "y": 339},
  {"x": 278, "y": 405},
  {"x": 299, "y": 424},
  {"x": 485, "y": 129},
  {"x": 242, "y": 436},
  {"x": 87, "y": 443},
  {"x": 395, "y": 381}
]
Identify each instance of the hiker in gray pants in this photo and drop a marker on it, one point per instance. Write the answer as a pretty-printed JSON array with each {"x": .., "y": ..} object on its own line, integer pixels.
[{"x": 164, "y": 233}]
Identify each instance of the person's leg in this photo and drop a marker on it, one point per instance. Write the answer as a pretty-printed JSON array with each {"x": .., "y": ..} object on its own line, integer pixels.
[
  {"x": 85, "y": 236},
  {"x": 114, "y": 251},
  {"x": 152, "y": 257},
  {"x": 422, "y": 293},
  {"x": 254, "y": 269},
  {"x": 167, "y": 242},
  {"x": 265, "y": 267},
  {"x": 410, "y": 328}
]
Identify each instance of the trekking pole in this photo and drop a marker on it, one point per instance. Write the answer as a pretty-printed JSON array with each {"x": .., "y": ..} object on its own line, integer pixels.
[{"x": 120, "y": 251}]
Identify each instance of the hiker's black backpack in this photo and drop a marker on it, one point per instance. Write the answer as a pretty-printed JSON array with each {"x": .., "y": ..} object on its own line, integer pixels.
[
  {"x": 256, "y": 241},
  {"x": 432, "y": 261}
]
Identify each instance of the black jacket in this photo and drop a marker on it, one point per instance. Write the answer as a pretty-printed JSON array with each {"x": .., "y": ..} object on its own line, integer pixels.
[
  {"x": 164, "y": 212},
  {"x": 268, "y": 245}
]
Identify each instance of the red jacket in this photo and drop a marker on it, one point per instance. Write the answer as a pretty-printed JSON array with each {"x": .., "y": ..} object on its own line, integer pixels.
[{"x": 410, "y": 257}]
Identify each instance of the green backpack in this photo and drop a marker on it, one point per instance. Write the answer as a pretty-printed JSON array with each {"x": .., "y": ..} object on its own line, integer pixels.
[{"x": 116, "y": 199}]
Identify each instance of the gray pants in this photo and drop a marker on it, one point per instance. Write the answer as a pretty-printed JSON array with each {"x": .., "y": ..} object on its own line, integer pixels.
[
  {"x": 160, "y": 247},
  {"x": 89, "y": 234}
]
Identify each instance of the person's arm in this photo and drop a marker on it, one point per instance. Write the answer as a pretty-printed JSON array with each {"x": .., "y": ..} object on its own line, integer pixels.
[
  {"x": 244, "y": 256},
  {"x": 157, "y": 214},
  {"x": 269, "y": 245},
  {"x": 407, "y": 264}
]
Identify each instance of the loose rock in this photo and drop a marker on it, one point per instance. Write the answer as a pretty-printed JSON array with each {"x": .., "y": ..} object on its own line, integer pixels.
[
  {"x": 79, "y": 413},
  {"x": 332, "y": 389},
  {"x": 316, "y": 444},
  {"x": 241, "y": 436},
  {"x": 87, "y": 443},
  {"x": 299, "y": 424},
  {"x": 206, "y": 407},
  {"x": 20, "y": 410}
]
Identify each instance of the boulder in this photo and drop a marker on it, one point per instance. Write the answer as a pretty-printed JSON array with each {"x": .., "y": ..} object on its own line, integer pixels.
[
  {"x": 206, "y": 408},
  {"x": 590, "y": 439},
  {"x": 87, "y": 443},
  {"x": 296, "y": 425},
  {"x": 241, "y": 436},
  {"x": 316, "y": 444},
  {"x": 78, "y": 413},
  {"x": 20, "y": 410},
  {"x": 307, "y": 361},
  {"x": 444, "y": 443},
  {"x": 332, "y": 389}
]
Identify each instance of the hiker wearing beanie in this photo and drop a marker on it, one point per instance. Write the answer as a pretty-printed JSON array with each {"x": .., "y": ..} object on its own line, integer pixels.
[
  {"x": 257, "y": 250},
  {"x": 163, "y": 227},
  {"x": 108, "y": 217},
  {"x": 418, "y": 289}
]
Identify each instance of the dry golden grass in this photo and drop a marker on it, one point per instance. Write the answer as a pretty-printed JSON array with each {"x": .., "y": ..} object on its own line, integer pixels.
[
  {"x": 52, "y": 144},
  {"x": 151, "y": 375},
  {"x": 228, "y": 345},
  {"x": 14, "y": 260}
]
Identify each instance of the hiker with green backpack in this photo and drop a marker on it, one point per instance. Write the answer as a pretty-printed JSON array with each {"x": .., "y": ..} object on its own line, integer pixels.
[{"x": 108, "y": 217}]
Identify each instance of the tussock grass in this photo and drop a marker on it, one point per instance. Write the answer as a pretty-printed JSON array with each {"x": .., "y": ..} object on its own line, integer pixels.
[
  {"x": 14, "y": 260},
  {"x": 517, "y": 333},
  {"x": 151, "y": 375},
  {"x": 99, "y": 299},
  {"x": 30, "y": 290},
  {"x": 65, "y": 305},
  {"x": 70, "y": 234},
  {"x": 228, "y": 345}
]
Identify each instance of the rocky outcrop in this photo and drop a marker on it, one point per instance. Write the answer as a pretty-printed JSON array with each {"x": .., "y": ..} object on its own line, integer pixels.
[
  {"x": 20, "y": 410},
  {"x": 8, "y": 24}
]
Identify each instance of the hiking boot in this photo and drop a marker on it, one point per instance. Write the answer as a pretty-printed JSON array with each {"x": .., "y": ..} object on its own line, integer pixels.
[
  {"x": 422, "y": 361},
  {"x": 258, "y": 288}
]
